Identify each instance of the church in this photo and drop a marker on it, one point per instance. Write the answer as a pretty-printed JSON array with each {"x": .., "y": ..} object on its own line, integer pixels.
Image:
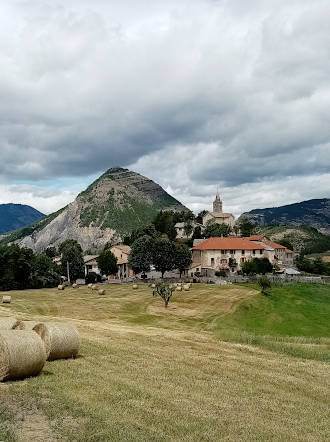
[{"x": 218, "y": 216}]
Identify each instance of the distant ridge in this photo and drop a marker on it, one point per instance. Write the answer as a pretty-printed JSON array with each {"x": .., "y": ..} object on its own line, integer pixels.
[
  {"x": 15, "y": 216},
  {"x": 313, "y": 213},
  {"x": 110, "y": 208}
]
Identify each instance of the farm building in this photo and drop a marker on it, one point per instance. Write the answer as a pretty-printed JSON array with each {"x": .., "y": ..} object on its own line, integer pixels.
[{"x": 227, "y": 254}]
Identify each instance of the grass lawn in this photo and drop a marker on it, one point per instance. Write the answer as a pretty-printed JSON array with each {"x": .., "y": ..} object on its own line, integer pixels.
[
  {"x": 325, "y": 256},
  {"x": 221, "y": 363}
]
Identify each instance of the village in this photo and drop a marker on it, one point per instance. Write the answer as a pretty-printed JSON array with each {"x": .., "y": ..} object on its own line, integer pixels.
[{"x": 209, "y": 256}]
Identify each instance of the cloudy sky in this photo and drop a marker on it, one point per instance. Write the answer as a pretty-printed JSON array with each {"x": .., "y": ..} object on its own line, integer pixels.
[{"x": 191, "y": 93}]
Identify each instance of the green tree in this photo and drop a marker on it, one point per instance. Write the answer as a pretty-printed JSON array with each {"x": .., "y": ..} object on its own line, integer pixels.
[
  {"x": 164, "y": 290},
  {"x": 163, "y": 255},
  {"x": 107, "y": 263},
  {"x": 200, "y": 216},
  {"x": 264, "y": 283},
  {"x": 148, "y": 230},
  {"x": 71, "y": 252},
  {"x": 51, "y": 252},
  {"x": 140, "y": 257},
  {"x": 182, "y": 257},
  {"x": 44, "y": 272},
  {"x": 188, "y": 228},
  {"x": 257, "y": 266},
  {"x": 197, "y": 233},
  {"x": 213, "y": 230},
  {"x": 246, "y": 227}
]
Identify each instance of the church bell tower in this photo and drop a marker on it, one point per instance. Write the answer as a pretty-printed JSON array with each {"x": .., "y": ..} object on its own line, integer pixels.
[{"x": 217, "y": 204}]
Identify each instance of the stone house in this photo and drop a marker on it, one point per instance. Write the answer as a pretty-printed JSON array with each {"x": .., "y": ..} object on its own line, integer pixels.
[
  {"x": 180, "y": 230},
  {"x": 227, "y": 254},
  {"x": 91, "y": 265},
  {"x": 122, "y": 252},
  {"x": 282, "y": 255}
]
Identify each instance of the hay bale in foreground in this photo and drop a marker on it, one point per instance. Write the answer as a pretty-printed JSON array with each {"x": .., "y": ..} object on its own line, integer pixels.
[
  {"x": 153, "y": 286},
  {"x": 90, "y": 285},
  {"x": 6, "y": 299},
  {"x": 186, "y": 287},
  {"x": 61, "y": 340},
  {"x": 60, "y": 287},
  {"x": 135, "y": 286},
  {"x": 74, "y": 286},
  {"x": 101, "y": 292},
  {"x": 8, "y": 323},
  {"x": 22, "y": 354},
  {"x": 94, "y": 287},
  {"x": 178, "y": 288}
]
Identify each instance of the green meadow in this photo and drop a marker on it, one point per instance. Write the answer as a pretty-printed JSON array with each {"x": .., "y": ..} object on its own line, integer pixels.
[{"x": 220, "y": 363}]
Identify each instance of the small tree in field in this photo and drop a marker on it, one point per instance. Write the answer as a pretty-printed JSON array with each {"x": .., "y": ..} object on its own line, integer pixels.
[
  {"x": 264, "y": 283},
  {"x": 164, "y": 290}
]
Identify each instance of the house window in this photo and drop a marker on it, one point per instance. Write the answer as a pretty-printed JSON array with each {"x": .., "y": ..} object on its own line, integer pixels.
[
  {"x": 223, "y": 261},
  {"x": 243, "y": 252},
  {"x": 261, "y": 252},
  {"x": 253, "y": 252},
  {"x": 223, "y": 252},
  {"x": 212, "y": 262},
  {"x": 232, "y": 252}
]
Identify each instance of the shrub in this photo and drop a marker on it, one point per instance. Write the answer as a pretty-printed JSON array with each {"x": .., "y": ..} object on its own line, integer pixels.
[
  {"x": 92, "y": 277},
  {"x": 220, "y": 273}
]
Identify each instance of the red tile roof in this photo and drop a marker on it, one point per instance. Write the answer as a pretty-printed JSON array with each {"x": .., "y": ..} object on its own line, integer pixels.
[
  {"x": 228, "y": 244},
  {"x": 265, "y": 241},
  {"x": 274, "y": 244},
  {"x": 288, "y": 251},
  {"x": 255, "y": 238}
]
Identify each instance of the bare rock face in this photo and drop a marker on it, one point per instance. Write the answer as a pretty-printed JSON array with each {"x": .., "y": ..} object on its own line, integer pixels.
[
  {"x": 114, "y": 205},
  {"x": 313, "y": 213}
]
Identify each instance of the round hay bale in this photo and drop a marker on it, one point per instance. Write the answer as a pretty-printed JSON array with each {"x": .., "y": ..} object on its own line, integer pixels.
[
  {"x": 153, "y": 286},
  {"x": 135, "y": 286},
  {"x": 60, "y": 287},
  {"x": 6, "y": 299},
  {"x": 94, "y": 287},
  {"x": 74, "y": 286},
  {"x": 22, "y": 354},
  {"x": 101, "y": 292},
  {"x": 186, "y": 287},
  {"x": 8, "y": 323},
  {"x": 90, "y": 285},
  {"x": 61, "y": 340},
  {"x": 178, "y": 288}
]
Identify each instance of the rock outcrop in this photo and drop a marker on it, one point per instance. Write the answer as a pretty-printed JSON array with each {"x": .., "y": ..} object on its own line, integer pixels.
[{"x": 114, "y": 205}]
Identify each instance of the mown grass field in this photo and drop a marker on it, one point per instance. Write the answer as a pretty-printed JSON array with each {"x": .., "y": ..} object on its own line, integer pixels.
[{"x": 221, "y": 363}]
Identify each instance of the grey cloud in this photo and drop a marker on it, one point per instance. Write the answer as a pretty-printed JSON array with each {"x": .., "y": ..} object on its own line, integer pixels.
[{"x": 213, "y": 91}]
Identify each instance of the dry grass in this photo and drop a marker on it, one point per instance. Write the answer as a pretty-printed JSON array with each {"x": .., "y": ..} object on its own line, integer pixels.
[{"x": 150, "y": 374}]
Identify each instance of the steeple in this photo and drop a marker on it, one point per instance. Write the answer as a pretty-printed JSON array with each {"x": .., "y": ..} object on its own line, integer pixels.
[{"x": 217, "y": 204}]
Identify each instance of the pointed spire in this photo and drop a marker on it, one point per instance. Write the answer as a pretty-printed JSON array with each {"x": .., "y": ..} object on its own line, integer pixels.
[{"x": 217, "y": 205}]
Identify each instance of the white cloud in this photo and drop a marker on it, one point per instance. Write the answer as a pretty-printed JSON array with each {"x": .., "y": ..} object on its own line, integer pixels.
[{"x": 46, "y": 200}]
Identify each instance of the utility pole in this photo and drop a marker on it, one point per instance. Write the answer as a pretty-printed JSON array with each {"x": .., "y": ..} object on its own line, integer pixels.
[{"x": 68, "y": 271}]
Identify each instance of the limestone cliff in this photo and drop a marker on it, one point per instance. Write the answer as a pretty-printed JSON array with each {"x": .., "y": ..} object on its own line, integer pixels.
[{"x": 114, "y": 205}]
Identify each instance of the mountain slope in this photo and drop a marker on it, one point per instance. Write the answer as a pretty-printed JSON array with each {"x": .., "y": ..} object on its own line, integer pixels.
[
  {"x": 15, "y": 216},
  {"x": 314, "y": 213},
  {"x": 114, "y": 205}
]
